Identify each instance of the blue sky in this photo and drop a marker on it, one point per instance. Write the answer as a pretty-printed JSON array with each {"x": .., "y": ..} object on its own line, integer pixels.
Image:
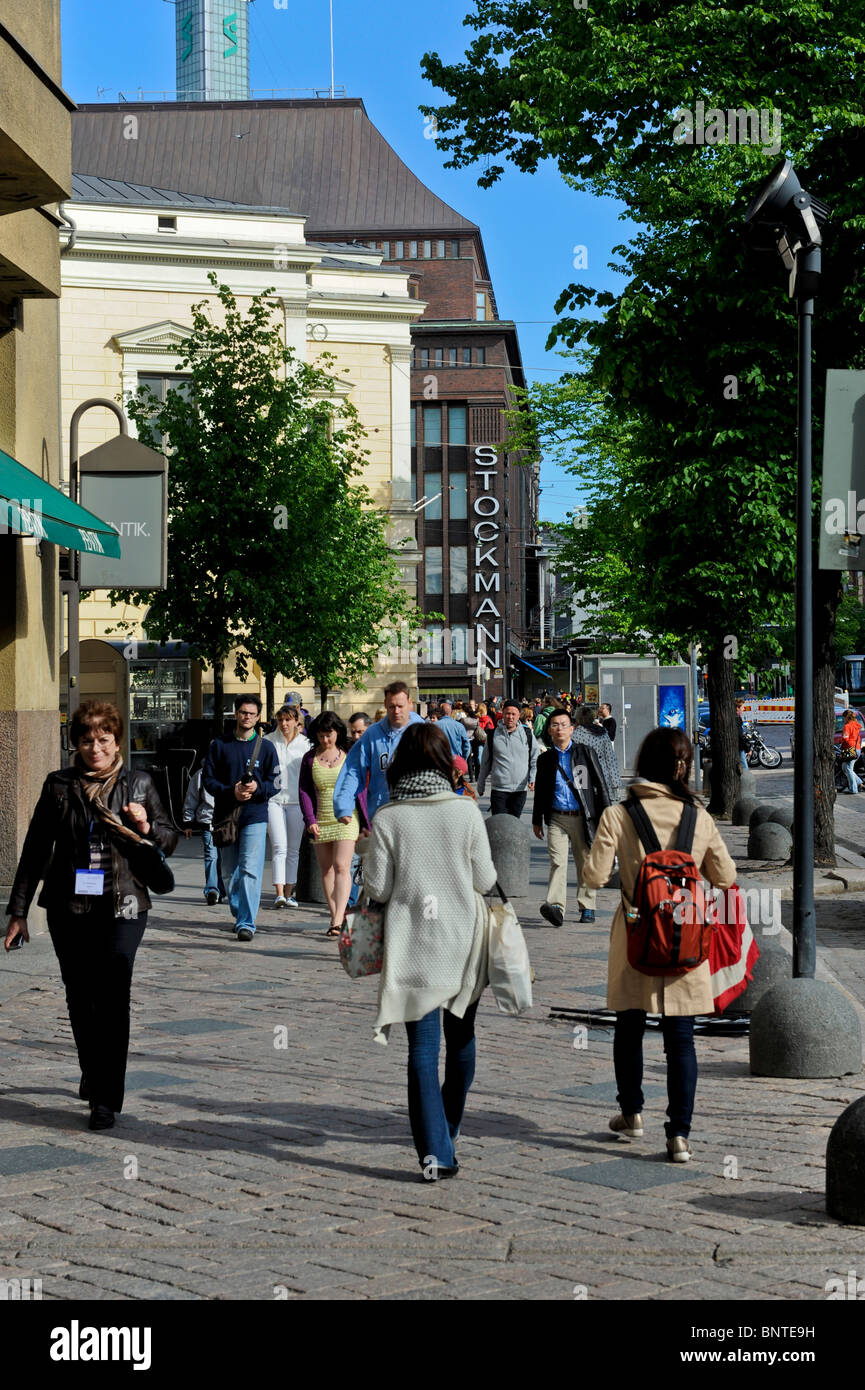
[{"x": 530, "y": 224}]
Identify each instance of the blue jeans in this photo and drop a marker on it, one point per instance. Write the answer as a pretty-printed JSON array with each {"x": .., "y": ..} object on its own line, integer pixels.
[
  {"x": 244, "y": 862},
  {"x": 213, "y": 881},
  {"x": 356, "y": 881},
  {"x": 435, "y": 1111},
  {"x": 678, "y": 1034},
  {"x": 854, "y": 781},
  {"x": 743, "y": 758}
]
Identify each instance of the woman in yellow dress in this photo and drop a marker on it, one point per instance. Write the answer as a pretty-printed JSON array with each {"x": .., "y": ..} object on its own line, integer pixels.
[{"x": 334, "y": 842}]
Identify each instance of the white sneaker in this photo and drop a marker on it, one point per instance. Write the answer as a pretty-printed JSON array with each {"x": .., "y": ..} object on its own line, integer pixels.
[
  {"x": 281, "y": 902},
  {"x": 292, "y": 901}
]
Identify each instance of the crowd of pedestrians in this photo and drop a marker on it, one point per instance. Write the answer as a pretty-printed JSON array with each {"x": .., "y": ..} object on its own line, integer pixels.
[{"x": 377, "y": 801}]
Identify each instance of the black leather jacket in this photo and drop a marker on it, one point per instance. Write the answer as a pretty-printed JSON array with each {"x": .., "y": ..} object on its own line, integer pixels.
[
  {"x": 591, "y": 788},
  {"x": 58, "y": 843}
]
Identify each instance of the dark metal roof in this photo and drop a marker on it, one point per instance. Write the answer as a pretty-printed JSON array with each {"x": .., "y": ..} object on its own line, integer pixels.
[
  {"x": 89, "y": 188},
  {"x": 324, "y": 159}
]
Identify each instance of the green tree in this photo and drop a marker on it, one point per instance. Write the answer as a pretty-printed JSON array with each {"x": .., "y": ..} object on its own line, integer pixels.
[
  {"x": 263, "y": 456},
  {"x": 695, "y": 356}
]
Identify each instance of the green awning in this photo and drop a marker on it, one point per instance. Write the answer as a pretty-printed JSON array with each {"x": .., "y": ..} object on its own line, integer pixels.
[{"x": 31, "y": 507}]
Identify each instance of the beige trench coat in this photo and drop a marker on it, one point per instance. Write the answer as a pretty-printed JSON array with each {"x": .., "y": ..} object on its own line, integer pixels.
[{"x": 626, "y": 987}]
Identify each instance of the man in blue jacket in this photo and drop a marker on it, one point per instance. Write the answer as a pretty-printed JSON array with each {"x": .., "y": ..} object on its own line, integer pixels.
[
  {"x": 223, "y": 776},
  {"x": 370, "y": 757},
  {"x": 454, "y": 731}
]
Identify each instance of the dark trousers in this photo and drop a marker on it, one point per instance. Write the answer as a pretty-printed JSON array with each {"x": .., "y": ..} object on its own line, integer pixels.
[
  {"x": 436, "y": 1111},
  {"x": 681, "y": 1067},
  {"x": 96, "y": 954},
  {"x": 510, "y": 803}
]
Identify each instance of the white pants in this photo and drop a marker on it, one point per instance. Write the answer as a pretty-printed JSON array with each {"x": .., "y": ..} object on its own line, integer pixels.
[{"x": 285, "y": 824}]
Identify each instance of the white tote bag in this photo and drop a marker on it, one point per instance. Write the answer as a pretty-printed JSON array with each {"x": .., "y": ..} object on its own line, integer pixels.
[{"x": 509, "y": 967}]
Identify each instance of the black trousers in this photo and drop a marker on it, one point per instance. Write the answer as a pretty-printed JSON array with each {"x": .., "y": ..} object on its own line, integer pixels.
[
  {"x": 509, "y": 803},
  {"x": 97, "y": 954}
]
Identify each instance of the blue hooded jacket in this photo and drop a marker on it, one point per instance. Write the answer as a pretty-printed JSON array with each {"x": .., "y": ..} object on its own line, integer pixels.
[{"x": 370, "y": 756}]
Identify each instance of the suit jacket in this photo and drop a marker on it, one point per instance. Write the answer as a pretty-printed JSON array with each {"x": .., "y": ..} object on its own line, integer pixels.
[{"x": 586, "y": 776}]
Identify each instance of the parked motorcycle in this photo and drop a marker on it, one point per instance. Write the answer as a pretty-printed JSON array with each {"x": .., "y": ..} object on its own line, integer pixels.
[{"x": 758, "y": 752}]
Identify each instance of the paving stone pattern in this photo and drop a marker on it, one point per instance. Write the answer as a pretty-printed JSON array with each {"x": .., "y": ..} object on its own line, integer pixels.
[{"x": 245, "y": 1169}]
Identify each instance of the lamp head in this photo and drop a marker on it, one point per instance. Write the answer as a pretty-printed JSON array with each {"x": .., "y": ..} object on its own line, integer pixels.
[{"x": 782, "y": 210}]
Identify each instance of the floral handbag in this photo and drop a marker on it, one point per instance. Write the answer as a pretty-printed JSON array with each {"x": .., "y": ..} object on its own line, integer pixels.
[{"x": 361, "y": 941}]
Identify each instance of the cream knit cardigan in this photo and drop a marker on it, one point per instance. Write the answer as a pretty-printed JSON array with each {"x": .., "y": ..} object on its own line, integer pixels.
[{"x": 430, "y": 860}]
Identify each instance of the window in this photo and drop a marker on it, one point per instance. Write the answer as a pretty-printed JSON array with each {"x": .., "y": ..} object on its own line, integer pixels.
[
  {"x": 438, "y": 357},
  {"x": 424, "y": 356},
  {"x": 459, "y": 642},
  {"x": 480, "y": 356},
  {"x": 456, "y": 424},
  {"x": 432, "y": 486},
  {"x": 480, "y": 305},
  {"x": 467, "y": 357},
  {"x": 385, "y": 250},
  {"x": 433, "y": 569},
  {"x": 160, "y": 384},
  {"x": 413, "y": 417},
  {"x": 432, "y": 425},
  {"x": 440, "y": 250},
  {"x": 455, "y": 250},
  {"x": 433, "y": 647},
  {"x": 459, "y": 562},
  {"x": 458, "y": 505},
  {"x": 427, "y": 250},
  {"x": 166, "y": 224},
  {"x": 412, "y": 250},
  {"x": 399, "y": 250},
  {"x": 452, "y": 357}
]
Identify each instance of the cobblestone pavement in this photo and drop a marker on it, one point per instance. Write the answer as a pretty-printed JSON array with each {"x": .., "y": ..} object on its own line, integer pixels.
[{"x": 265, "y": 1149}]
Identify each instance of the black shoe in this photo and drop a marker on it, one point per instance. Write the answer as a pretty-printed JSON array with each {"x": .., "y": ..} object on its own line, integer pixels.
[
  {"x": 211, "y": 897},
  {"x": 434, "y": 1173},
  {"x": 587, "y": 915},
  {"x": 83, "y": 1090},
  {"x": 553, "y": 913},
  {"x": 101, "y": 1117},
  {"x": 245, "y": 934}
]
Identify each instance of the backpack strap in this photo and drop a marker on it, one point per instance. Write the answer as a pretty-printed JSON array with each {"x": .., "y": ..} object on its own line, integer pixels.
[
  {"x": 643, "y": 826},
  {"x": 687, "y": 826}
]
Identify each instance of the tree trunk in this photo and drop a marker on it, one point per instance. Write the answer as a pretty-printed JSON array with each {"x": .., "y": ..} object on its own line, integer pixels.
[
  {"x": 324, "y": 693},
  {"x": 725, "y": 737},
  {"x": 218, "y": 695},
  {"x": 269, "y": 697},
  {"x": 826, "y": 597}
]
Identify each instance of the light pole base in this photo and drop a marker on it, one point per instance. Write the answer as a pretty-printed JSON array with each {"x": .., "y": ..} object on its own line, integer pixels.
[
  {"x": 845, "y": 1166},
  {"x": 805, "y": 1028}
]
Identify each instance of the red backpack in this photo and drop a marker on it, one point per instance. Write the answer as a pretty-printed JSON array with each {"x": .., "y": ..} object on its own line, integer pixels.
[{"x": 666, "y": 926}]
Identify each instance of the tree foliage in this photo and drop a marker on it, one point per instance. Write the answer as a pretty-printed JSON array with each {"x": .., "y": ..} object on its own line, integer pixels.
[{"x": 691, "y": 365}]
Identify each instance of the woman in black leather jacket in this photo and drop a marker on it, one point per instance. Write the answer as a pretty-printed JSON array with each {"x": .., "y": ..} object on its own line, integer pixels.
[{"x": 88, "y": 818}]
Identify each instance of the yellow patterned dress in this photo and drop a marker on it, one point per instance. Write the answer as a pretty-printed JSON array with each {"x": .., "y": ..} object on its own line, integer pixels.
[{"x": 329, "y": 827}]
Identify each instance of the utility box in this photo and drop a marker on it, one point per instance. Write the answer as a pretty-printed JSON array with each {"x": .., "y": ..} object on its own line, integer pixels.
[{"x": 642, "y": 695}]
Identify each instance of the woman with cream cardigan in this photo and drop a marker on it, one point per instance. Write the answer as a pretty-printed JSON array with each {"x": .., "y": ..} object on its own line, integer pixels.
[{"x": 429, "y": 860}]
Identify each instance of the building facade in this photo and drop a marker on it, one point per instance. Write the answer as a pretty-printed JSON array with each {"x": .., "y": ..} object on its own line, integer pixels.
[
  {"x": 138, "y": 261},
  {"x": 476, "y": 505},
  {"x": 35, "y": 162}
]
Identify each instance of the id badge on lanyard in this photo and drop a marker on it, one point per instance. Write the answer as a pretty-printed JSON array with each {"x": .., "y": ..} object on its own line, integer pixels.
[{"x": 89, "y": 883}]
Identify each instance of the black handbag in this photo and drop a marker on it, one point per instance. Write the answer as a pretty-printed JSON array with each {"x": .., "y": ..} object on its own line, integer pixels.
[{"x": 148, "y": 864}]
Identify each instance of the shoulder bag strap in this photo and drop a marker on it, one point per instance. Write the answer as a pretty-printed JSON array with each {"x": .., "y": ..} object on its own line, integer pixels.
[
  {"x": 687, "y": 826},
  {"x": 642, "y": 825},
  {"x": 253, "y": 755}
]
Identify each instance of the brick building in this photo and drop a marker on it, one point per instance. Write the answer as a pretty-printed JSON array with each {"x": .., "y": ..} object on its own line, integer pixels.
[{"x": 325, "y": 159}]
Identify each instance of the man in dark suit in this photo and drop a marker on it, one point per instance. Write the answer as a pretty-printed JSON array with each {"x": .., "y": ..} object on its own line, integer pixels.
[{"x": 569, "y": 797}]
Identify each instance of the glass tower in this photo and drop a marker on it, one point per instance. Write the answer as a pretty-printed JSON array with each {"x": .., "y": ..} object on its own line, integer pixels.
[{"x": 212, "y": 38}]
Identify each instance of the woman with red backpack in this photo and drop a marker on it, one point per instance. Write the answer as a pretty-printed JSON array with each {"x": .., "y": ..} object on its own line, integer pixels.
[{"x": 658, "y": 959}]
